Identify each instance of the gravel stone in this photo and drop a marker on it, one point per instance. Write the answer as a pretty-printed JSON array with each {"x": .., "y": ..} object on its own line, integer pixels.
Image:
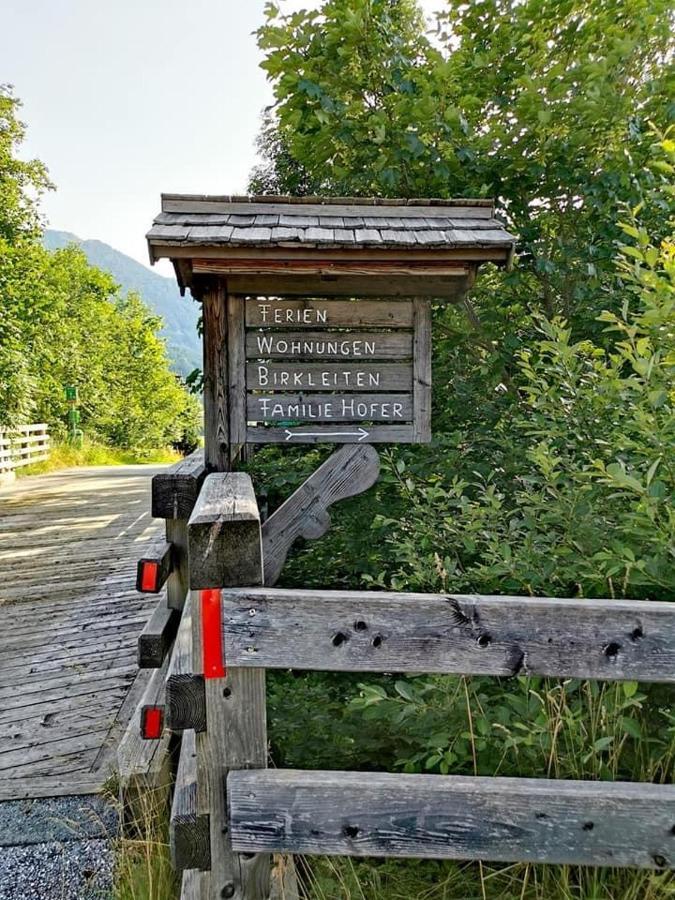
[{"x": 73, "y": 870}]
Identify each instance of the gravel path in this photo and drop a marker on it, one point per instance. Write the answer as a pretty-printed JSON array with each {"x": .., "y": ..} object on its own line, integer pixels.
[{"x": 56, "y": 849}]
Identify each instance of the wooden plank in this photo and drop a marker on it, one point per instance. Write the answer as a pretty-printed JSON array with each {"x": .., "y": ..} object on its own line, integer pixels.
[
  {"x": 224, "y": 533},
  {"x": 422, "y": 371},
  {"x": 329, "y": 376},
  {"x": 157, "y": 636},
  {"x": 236, "y": 353},
  {"x": 143, "y": 765},
  {"x": 216, "y": 398},
  {"x": 453, "y": 817},
  {"x": 358, "y": 345},
  {"x": 193, "y": 885},
  {"x": 185, "y": 703},
  {"x": 331, "y": 313},
  {"x": 396, "y": 408},
  {"x": 349, "y": 471},
  {"x": 189, "y": 831},
  {"x": 175, "y": 491},
  {"x": 441, "y": 288},
  {"x": 477, "y": 209},
  {"x": 177, "y": 585},
  {"x": 153, "y": 571},
  {"x": 466, "y": 634},
  {"x": 336, "y": 434},
  {"x": 236, "y": 732}
]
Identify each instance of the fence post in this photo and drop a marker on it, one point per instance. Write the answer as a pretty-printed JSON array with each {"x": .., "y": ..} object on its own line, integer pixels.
[{"x": 226, "y": 523}]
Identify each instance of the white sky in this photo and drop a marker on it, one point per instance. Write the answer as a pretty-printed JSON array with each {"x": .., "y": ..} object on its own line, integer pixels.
[{"x": 127, "y": 99}]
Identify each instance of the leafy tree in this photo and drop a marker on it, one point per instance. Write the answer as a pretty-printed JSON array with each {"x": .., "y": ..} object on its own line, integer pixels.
[
  {"x": 542, "y": 105},
  {"x": 63, "y": 321}
]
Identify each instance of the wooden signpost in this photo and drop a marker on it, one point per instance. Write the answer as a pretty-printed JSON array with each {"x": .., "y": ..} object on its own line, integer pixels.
[{"x": 317, "y": 329}]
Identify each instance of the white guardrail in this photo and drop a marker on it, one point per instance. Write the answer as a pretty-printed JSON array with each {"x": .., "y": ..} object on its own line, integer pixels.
[{"x": 22, "y": 445}]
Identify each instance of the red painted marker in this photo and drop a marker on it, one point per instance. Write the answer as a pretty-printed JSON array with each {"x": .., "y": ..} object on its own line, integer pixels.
[
  {"x": 152, "y": 722},
  {"x": 148, "y": 576},
  {"x": 212, "y": 639}
]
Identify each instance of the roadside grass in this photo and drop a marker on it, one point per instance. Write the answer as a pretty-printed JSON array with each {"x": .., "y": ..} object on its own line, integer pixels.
[
  {"x": 66, "y": 456},
  {"x": 142, "y": 859},
  {"x": 324, "y": 878}
]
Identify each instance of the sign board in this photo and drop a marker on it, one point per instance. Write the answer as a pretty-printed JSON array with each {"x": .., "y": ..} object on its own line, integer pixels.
[
  {"x": 335, "y": 371},
  {"x": 71, "y": 393}
]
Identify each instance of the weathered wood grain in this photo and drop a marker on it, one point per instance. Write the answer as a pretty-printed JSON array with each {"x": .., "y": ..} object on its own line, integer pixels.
[
  {"x": 349, "y": 471},
  {"x": 453, "y": 817},
  {"x": 162, "y": 564},
  {"x": 422, "y": 371},
  {"x": 144, "y": 765},
  {"x": 175, "y": 491},
  {"x": 329, "y": 376},
  {"x": 333, "y": 313},
  {"x": 236, "y": 725},
  {"x": 354, "y": 345},
  {"x": 216, "y": 395},
  {"x": 465, "y": 209},
  {"x": 193, "y": 885},
  {"x": 224, "y": 533},
  {"x": 68, "y": 665},
  {"x": 236, "y": 361},
  {"x": 333, "y": 434},
  {"x": 185, "y": 703},
  {"x": 396, "y": 408},
  {"x": 177, "y": 584},
  {"x": 157, "y": 636},
  {"x": 467, "y": 634},
  {"x": 450, "y": 288},
  {"x": 188, "y": 831}
]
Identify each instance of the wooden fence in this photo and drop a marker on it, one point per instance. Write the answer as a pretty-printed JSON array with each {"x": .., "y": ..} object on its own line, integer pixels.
[
  {"x": 22, "y": 446},
  {"x": 231, "y": 815}
]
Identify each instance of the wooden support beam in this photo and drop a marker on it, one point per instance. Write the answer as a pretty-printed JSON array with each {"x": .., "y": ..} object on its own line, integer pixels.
[
  {"x": 422, "y": 371},
  {"x": 175, "y": 491},
  {"x": 177, "y": 584},
  {"x": 369, "y": 631},
  {"x": 185, "y": 703},
  {"x": 236, "y": 725},
  {"x": 193, "y": 885},
  {"x": 157, "y": 636},
  {"x": 224, "y": 546},
  {"x": 349, "y": 471},
  {"x": 453, "y": 817},
  {"x": 153, "y": 571},
  {"x": 189, "y": 831},
  {"x": 144, "y": 765},
  {"x": 216, "y": 401}
]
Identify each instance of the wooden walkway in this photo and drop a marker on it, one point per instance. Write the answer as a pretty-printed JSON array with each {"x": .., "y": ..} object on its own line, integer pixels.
[{"x": 69, "y": 620}]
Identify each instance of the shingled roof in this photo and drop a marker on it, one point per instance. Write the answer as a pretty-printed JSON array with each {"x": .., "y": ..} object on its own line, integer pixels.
[{"x": 327, "y": 223}]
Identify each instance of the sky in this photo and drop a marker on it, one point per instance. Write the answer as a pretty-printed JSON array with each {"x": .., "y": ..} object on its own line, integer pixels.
[{"x": 126, "y": 100}]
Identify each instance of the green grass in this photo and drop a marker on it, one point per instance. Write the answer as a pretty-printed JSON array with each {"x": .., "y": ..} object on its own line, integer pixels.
[
  {"x": 142, "y": 859},
  {"x": 66, "y": 456},
  {"x": 345, "y": 879}
]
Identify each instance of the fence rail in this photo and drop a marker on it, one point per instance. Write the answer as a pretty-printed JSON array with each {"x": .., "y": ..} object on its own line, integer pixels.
[
  {"x": 22, "y": 445},
  {"x": 452, "y": 817},
  {"x": 369, "y": 631},
  {"x": 232, "y": 629}
]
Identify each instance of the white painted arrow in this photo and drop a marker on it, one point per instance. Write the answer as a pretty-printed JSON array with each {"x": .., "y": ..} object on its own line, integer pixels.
[{"x": 361, "y": 434}]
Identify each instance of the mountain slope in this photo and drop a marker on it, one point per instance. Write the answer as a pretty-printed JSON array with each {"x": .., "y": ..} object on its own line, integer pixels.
[{"x": 161, "y": 294}]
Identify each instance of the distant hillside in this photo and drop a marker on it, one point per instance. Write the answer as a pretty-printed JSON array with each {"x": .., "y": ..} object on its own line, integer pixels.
[{"x": 161, "y": 294}]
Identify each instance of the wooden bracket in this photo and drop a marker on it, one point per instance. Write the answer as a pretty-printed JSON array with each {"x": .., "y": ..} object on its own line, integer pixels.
[{"x": 349, "y": 471}]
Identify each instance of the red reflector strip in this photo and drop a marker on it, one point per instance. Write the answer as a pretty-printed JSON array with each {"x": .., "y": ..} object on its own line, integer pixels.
[
  {"x": 212, "y": 637},
  {"x": 149, "y": 575},
  {"x": 152, "y": 722}
]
